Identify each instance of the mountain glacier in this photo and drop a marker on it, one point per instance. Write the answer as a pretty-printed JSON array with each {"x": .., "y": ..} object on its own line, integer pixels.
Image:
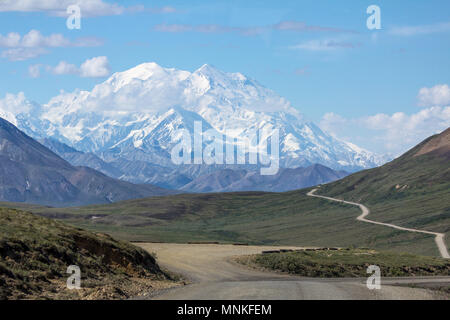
[{"x": 134, "y": 116}]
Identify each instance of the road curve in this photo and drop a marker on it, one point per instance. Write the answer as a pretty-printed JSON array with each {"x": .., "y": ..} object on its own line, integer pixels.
[
  {"x": 214, "y": 276},
  {"x": 439, "y": 237}
]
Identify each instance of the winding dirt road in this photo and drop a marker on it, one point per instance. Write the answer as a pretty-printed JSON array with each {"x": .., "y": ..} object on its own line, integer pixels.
[
  {"x": 439, "y": 237},
  {"x": 214, "y": 276}
]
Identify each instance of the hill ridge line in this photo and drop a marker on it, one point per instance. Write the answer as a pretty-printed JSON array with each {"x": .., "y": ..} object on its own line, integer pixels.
[{"x": 439, "y": 237}]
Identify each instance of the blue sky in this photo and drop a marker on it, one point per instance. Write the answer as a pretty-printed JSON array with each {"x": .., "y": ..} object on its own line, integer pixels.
[{"x": 318, "y": 54}]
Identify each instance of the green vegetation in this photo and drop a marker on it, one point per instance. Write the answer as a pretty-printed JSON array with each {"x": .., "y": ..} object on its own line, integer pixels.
[
  {"x": 35, "y": 253},
  {"x": 290, "y": 218},
  {"x": 412, "y": 191},
  {"x": 347, "y": 263}
]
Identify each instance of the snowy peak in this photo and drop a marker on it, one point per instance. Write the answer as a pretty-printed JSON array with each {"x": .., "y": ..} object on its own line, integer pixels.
[
  {"x": 144, "y": 72},
  {"x": 208, "y": 70},
  {"x": 217, "y": 76},
  {"x": 141, "y": 109}
]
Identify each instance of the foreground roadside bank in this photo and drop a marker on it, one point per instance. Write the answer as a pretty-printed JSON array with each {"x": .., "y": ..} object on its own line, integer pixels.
[
  {"x": 346, "y": 262},
  {"x": 36, "y": 252}
]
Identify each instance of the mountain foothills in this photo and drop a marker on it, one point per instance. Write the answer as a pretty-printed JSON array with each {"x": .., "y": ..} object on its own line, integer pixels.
[
  {"x": 29, "y": 172},
  {"x": 127, "y": 125},
  {"x": 411, "y": 191}
]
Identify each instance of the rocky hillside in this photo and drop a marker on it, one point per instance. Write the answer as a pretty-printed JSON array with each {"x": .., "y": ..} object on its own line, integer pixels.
[{"x": 35, "y": 253}]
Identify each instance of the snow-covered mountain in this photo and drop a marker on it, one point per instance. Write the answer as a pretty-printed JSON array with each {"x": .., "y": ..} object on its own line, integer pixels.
[{"x": 134, "y": 116}]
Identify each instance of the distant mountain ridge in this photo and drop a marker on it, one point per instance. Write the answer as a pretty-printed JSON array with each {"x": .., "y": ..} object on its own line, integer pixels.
[
  {"x": 134, "y": 116},
  {"x": 196, "y": 178},
  {"x": 286, "y": 179},
  {"x": 30, "y": 172}
]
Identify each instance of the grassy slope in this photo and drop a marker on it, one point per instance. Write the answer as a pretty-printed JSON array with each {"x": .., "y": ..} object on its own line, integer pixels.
[
  {"x": 410, "y": 191},
  {"x": 289, "y": 218},
  {"x": 348, "y": 263},
  {"x": 35, "y": 253}
]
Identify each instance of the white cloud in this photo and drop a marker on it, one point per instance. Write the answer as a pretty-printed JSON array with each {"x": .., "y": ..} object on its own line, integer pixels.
[
  {"x": 34, "y": 44},
  {"x": 438, "y": 95},
  {"x": 388, "y": 133},
  {"x": 11, "y": 40},
  {"x": 420, "y": 30},
  {"x": 34, "y": 70},
  {"x": 20, "y": 54},
  {"x": 33, "y": 39},
  {"x": 91, "y": 68},
  {"x": 325, "y": 45},
  {"x": 59, "y": 7},
  {"x": 89, "y": 8},
  {"x": 395, "y": 133},
  {"x": 15, "y": 103},
  {"x": 95, "y": 67},
  {"x": 63, "y": 68}
]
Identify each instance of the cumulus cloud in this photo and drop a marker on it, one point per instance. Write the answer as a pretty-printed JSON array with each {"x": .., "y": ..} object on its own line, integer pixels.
[
  {"x": 420, "y": 30},
  {"x": 34, "y": 44},
  {"x": 15, "y": 103},
  {"x": 389, "y": 133},
  {"x": 63, "y": 68},
  {"x": 91, "y": 68},
  {"x": 438, "y": 95},
  {"x": 32, "y": 39},
  {"x": 95, "y": 67}
]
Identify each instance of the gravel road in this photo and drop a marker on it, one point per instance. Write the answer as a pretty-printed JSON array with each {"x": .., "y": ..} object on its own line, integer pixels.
[
  {"x": 215, "y": 276},
  {"x": 439, "y": 237}
]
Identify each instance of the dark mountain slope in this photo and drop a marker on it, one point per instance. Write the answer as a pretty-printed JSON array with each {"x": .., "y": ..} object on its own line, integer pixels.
[
  {"x": 29, "y": 172},
  {"x": 78, "y": 158}
]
